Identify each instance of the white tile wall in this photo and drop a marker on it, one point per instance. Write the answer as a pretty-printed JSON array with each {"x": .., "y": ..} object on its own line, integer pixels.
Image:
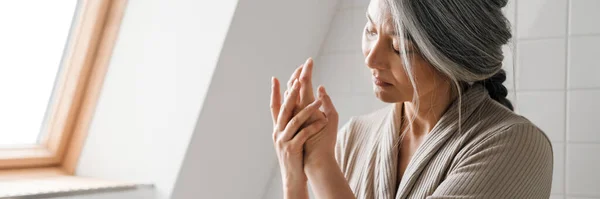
[
  {"x": 549, "y": 115},
  {"x": 556, "y": 49},
  {"x": 541, "y": 64},
  {"x": 548, "y": 59},
  {"x": 583, "y": 162},
  {"x": 584, "y": 116},
  {"x": 584, "y": 71},
  {"x": 580, "y": 198},
  {"x": 558, "y": 178},
  {"x": 584, "y": 19},
  {"x": 541, "y": 18}
]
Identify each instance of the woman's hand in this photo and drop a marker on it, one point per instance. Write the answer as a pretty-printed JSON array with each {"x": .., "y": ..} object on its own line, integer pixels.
[
  {"x": 321, "y": 145},
  {"x": 289, "y": 138},
  {"x": 304, "y": 75},
  {"x": 320, "y": 166}
]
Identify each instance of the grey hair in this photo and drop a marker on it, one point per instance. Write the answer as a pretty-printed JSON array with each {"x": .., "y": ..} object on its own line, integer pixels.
[{"x": 462, "y": 39}]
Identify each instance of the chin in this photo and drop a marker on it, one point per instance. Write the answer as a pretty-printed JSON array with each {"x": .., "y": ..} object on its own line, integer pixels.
[
  {"x": 389, "y": 97},
  {"x": 385, "y": 97}
]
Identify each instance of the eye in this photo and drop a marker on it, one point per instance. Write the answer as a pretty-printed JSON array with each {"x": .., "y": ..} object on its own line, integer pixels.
[
  {"x": 396, "y": 47},
  {"x": 410, "y": 48},
  {"x": 368, "y": 32}
]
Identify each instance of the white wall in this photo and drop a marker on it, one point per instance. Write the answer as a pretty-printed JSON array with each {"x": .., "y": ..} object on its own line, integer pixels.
[
  {"x": 156, "y": 83},
  {"x": 231, "y": 153},
  {"x": 552, "y": 80},
  {"x": 558, "y": 86},
  {"x": 180, "y": 68}
]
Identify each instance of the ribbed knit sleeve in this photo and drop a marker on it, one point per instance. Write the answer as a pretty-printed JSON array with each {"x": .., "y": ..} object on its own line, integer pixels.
[{"x": 512, "y": 163}]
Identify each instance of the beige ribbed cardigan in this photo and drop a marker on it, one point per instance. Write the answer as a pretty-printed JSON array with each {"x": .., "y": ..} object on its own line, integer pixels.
[{"x": 497, "y": 154}]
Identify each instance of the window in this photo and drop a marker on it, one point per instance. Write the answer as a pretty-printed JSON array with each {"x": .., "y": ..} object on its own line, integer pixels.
[
  {"x": 27, "y": 83},
  {"x": 54, "y": 57}
]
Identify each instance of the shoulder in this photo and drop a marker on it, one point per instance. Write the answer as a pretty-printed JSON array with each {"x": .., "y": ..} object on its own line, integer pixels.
[
  {"x": 502, "y": 156},
  {"x": 506, "y": 136},
  {"x": 509, "y": 144},
  {"x": 492, "y": 120}
]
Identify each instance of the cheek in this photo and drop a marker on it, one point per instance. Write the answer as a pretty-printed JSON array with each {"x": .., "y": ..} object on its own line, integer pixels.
[
  {"x": 426, "y": 75},
  {"x": 397, "y": 69}
]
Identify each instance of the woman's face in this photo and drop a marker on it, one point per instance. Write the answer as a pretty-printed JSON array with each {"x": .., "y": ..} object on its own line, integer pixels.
[{"x": 381, "y": 49}]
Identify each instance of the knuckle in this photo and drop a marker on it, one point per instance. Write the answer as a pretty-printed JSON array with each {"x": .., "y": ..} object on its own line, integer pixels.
[
  {"x": 280, "y": 144},
  {"x": 304, "y": 79},
  {"x": 274, "y": 136},
  {"x": 286, "y": 148},
  {"x": 304, "y": 133},
  {"x": 293, "y": 122}
]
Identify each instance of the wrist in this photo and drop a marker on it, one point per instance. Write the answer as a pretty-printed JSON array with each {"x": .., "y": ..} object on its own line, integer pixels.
[
  {"x": 294, "y": 181},
  {"x": 321, "y": 163},
  {"x": 295, "y": 190}
]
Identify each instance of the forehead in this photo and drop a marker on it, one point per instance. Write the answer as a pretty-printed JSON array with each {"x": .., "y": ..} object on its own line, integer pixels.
[{"x": 378, "y": 11}]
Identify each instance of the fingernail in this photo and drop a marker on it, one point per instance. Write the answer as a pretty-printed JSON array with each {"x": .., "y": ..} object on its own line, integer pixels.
[
  {"x": 295, "y": 85},
  {"x": 321, "y": 89},
  {"x": 308, "y": 60}
]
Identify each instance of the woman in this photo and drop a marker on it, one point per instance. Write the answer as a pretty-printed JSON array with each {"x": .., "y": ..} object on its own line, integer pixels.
[{"x": 449, "y": 131}]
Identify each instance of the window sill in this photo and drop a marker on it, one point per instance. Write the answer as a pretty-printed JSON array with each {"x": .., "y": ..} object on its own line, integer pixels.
[{"x": 51, "y": 182}]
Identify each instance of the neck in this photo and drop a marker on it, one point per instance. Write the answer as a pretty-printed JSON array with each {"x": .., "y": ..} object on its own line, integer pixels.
[{"x": 432, "y": 105}]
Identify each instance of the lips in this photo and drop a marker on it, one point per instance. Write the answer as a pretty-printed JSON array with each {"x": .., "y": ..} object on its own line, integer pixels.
[{"x": 377, "y": 81}]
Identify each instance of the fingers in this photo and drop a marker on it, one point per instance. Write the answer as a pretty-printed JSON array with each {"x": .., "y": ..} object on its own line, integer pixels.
[
  {"x": 288, "y": 106},
  {"x": 328, "y": 107},
  {"x": 295, "y": 123},
  {"x": 294, "y": 77},
  {"x": 275, "y": 99},
  {"x": 306, "y": 92},
  {"x": 306, "y": 132}
]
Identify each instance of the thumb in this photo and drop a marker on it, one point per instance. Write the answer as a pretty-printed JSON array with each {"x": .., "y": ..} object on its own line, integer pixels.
[{"x": 328, "y": 107}]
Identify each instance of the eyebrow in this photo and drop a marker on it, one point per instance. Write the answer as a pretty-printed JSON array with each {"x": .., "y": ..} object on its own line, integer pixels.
[
  {"x": 393, "y": 33},
  {"x": 369, "y": 18}
]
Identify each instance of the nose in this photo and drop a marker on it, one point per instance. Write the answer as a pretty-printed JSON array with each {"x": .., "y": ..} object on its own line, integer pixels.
[{"x": 375, "y": 56}]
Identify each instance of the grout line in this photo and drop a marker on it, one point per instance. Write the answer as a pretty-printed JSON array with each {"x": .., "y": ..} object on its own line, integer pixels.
[
  {"x": 540, "y": 90},
  {"x": 580, "y": 142},
  {"x": 583, "y": 89},
  {"x": 566, "y": 97},
  {"x": 585, "y": 35},
  {"x": 585, "y": 195},
  {"x": 541, "y": 38},
  {"x": 558, "y": 89},
  {"x": 575, "y": 142}
]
